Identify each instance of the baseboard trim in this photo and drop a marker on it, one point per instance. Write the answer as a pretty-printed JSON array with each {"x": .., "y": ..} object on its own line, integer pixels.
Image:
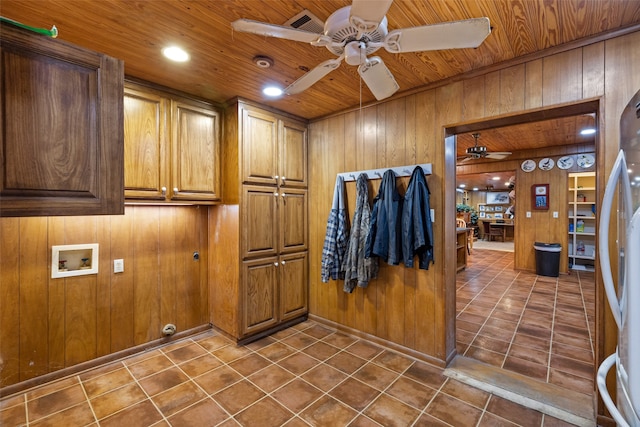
[{"x": 93, "y": 363}]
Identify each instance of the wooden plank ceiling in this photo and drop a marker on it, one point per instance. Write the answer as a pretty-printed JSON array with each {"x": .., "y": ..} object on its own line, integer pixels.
[{"x": 221, "y": 65}]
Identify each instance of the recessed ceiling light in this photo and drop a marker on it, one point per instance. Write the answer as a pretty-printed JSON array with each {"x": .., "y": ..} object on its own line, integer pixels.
[
  {"x": 272, "y": 91},
  {"x": 496, "y": 178},
  {"x": 588, "y": 131},
  {"x": 462, "y": 185},
  {"x": 475, "y": 188},
  {"x": 175, "y": 53}
]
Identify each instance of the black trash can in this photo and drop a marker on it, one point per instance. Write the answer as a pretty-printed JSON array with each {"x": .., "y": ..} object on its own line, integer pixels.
[{"x": 547, "y": 259}]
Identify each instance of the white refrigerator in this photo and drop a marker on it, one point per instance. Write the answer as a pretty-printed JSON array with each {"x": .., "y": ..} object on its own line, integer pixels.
[{"x": 624, "y": 299}]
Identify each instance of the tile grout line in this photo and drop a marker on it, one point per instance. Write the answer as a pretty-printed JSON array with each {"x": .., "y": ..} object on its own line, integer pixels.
[{"x": 553, "y": 325}]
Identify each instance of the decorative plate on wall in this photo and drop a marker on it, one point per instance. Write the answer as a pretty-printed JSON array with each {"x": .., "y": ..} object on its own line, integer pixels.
[
  {"x": 546, "y": 164},
  {"x": 528, "y": 165},
  {"x": 565, "y": 162},
  {"x": 585, "y": 160}
]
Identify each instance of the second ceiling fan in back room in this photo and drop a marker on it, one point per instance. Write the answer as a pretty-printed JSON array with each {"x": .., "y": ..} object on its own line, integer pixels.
[
  {"x": 354, "y": 32},
  {"x": 480, "y": 152}
]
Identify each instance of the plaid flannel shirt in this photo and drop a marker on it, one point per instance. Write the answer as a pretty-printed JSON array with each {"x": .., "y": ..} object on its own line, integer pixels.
[{"x": 336, "y": 238}]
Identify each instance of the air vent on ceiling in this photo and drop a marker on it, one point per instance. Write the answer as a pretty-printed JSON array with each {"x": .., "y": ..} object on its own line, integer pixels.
[{"x": 306, "y": 21}]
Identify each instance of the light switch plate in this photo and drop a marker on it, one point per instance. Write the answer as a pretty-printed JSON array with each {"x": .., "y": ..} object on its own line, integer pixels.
[
  {"x": 118, "y": 265},
  {"x": 528, "y": 214},
  {"x": 555, "y": 214}
]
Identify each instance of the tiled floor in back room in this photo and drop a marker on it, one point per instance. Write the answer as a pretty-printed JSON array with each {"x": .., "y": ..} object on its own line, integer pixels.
[
  {"x": 542, "y": 327},
  {"x": 304, "y": 375}
]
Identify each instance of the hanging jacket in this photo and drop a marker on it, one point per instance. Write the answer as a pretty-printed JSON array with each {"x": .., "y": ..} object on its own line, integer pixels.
[
  {"x": 358, "y": 270},
  {"x": 336, "y": 238},
  {"x": 385, "y": 239},
  {"x": 417, "y": 229}
]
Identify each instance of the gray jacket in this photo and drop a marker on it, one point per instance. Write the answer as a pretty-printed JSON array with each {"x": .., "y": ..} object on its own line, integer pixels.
[{"x": 359, "y": 270}]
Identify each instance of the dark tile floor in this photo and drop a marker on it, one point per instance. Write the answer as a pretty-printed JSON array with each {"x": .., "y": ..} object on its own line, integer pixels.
[
  {"x": 542, "y": 327},
  {"x": 304, "y": 375},
  {"x": 310, "y": 375}
]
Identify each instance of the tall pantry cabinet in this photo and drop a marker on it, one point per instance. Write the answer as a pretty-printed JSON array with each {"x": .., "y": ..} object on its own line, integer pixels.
[{"x": 259, "y": 243}]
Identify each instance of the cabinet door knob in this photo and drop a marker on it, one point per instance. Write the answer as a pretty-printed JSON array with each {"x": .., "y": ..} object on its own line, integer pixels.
[
  {"x": 283, "y": 195},
  {"x": 275, "y": 194},
  {"x": 164, "y": 191},
  {"x": 276, "y": 178},
  {"x": 275, "y": 263},
  {"x": 175, "y": 190},
  {"x": 283, "y": 262},
  {"x": 283, "y": 179}
]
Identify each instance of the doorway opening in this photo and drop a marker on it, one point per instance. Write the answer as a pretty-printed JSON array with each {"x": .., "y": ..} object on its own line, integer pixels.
[{"x": 504, "y": 311}]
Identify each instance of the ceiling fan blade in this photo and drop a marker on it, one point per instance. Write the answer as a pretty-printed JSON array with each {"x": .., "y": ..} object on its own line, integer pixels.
[
  {"x": 368, "y": 13},
  {"x": 498, "y": 155},
  {"x": 447, "y": 35},
  {"x": 378, "y": 78},
  {"x": 465, "y": 159},
  {"x": 271, "y": 30},
  {"x": 308, "y": 80}
]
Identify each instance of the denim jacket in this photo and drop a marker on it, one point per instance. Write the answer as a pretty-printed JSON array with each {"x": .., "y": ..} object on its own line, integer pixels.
[{"x": 385, "y": 234}]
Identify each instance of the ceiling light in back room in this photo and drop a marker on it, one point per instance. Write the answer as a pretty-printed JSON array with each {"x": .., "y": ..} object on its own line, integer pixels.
[
  {"x": 587, "y": 131},
  {"x": 175, "y": 53}
]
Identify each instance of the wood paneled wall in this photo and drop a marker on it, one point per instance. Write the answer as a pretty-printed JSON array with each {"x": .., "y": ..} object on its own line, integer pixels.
[
  {"x": 407, "y": 306},
  {"x": 48, "y": 324}
]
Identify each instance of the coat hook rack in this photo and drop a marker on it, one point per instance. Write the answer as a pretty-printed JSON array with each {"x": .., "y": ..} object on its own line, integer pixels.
[{"x": 400, "y": 171}]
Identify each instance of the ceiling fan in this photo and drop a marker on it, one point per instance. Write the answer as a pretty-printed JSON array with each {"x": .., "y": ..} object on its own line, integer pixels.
[
  {"x": 354, "y": 32},
  {"x": 480, "y": 152}
]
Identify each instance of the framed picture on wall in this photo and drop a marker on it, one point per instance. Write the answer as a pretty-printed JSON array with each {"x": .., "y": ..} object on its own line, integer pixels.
[
  {"x": 498, "y": 208},
  {"x": 497, "y": 197},
  {"x": 540, "y": 197},
  {"x": 481, "y": 208},
  {"x": 481, "y": 215},
  {"x": 498, "y": 215}
]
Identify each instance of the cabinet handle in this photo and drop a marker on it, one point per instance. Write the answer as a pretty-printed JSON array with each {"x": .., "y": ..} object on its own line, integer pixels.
[
  {"x": 164, "y": 191},
  {"x": 175, "y": 190}
]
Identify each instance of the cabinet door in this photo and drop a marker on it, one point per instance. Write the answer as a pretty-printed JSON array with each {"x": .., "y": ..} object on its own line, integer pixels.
[
  {"x": 146, "y": 157},
  {"x": 293, "y": 154},
  {"x": 195, "y": 153},
  {"x": 259, "y": 294},
  {"x": 292, "y": 211},
  {"x": 293, "y": 285},
  {"x": 61, "y": 128},
  {"x": 260, "y": 219},
  {"x": 259, "y": 147}
]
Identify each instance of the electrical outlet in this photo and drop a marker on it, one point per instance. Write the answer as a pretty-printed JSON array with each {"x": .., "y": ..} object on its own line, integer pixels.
[
  {"x": 118, "y": 265},
  {"x": 528, "y": 214},
  {"x": 555, "y": 214}
]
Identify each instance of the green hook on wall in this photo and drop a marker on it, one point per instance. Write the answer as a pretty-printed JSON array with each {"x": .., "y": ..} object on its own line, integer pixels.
[{"x": 53, "y": 32}]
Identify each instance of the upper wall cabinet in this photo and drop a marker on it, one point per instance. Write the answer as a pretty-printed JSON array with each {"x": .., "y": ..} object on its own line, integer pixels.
[
  {"x": 274, "y": 149},
  {"x": 61, "y": 128},
  {"x": 172, "y": 149}
]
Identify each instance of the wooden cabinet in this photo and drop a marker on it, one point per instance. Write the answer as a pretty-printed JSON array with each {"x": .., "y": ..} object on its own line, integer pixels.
[
  {"x": 461, "y": 248},
  {"x": 582, "y": 221},
  {"x": 274, "y": 149},
  {"x": 172, "y": 149},
  {"x": 260, "y": 285},
  {"x": 61, "y": 138}
]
